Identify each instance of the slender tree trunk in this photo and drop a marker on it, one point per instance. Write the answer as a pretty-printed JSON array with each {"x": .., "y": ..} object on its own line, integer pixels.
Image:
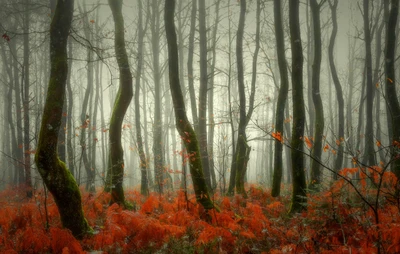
[
  {"x": 202, "y": 133},
  {"x": 211, "y": 89},
  {"x": 369, "y": 152},
  {"x": 316, "y": 152},
  {"x": 192, "y": 92},
  {"x": 69, "y": 102},
  {"x": 144, "y": 189},
  {"x": 26, "y": 98},
  {"x": 282, "y": 97},
  {"x": 339, "y": 92},
  {"x": 157, "y": 127},
  {"x": 115, "y": 173},
  {"x": 56, "y": 176},
  {"x": 298, "y": 174},
  {"x": 243, "y": 150},
  {"x": 393, "y": 103},
  {"x": 182, "y": 123}
]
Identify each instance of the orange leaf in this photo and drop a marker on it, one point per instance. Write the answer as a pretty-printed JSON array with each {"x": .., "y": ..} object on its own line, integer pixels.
[
  {"x": 326, "y": 147},
  {"x": 277, "y": 135},
  {"x": 308, "y": 142}
]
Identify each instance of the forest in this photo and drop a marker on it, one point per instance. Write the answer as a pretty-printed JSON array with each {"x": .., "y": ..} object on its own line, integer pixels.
[{"x": 199, "y": 126}]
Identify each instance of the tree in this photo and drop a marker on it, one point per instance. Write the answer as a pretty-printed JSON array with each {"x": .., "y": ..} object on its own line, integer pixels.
[
  {"x": 339, "y": 92},
  {"x": 26, "y": 98},
  {"x": 298, "y": 174},
  {"x": 115, "y": 172},
  {"x": 183, "y": 125},
  {"x": 142, "y": 156},
  {"x": 53, "y": 171},
  {"x": 393, "y": 103},
  {"x": 369, "y": 152},
  {"x": 319, "y": 121},
  {"x": 202, "y": 133},
  {"x": 282, "y": 97},
  {"x": 157, "y": 127}
]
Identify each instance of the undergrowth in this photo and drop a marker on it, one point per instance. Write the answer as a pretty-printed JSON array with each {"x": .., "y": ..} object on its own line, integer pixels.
[{"x": 335, "y": 222}]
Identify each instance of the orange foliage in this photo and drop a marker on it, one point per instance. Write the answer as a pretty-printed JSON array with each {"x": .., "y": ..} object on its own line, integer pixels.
[{"x": 332, "y": 223}]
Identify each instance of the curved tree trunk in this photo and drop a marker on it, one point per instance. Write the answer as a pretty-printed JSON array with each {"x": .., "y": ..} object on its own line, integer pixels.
[
  {"x": 339, "y": 92},
  {"x": 319, "y": 121},
  {"x": 282, "y": 97},
  {"x": 56, "y": 176},
  {"x": 182, "y": 123},
  {"x": 115, "y": 173},
  {"x": 298, "y": 175},
  {"x": 393, "y": 103}
]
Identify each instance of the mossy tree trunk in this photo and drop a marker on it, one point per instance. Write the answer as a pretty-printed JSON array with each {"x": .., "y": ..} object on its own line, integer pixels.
[
  {"x": 144, "y": 189},
  {"x": 339, "y": 92},
  {"x": 319, "y": 121},
  {"x": 393, "y": 103},
  {"x": 298, "y": 173},
  {"x": 282, "y": 97},
  {"x": 183, "y": 125},
  {"x": 56, "y": 176},
  {"x": 115, "y": 172}
]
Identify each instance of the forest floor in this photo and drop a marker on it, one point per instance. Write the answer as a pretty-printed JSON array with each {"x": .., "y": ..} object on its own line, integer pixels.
[{"x": 336, "y": 221}]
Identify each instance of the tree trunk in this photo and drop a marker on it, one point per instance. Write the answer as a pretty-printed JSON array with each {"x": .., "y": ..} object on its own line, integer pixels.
[
  {"x": 56, "y": 176},
  {"x": 211, "y": 96},
  {"x": 242, "y": 148},
  {"x": 144, "y": 189},
  {"x": 319, "y": 122},
  {"x": 182, "y": 123},
  {"x": 282, "y": 97},
  {"x": 157, "y": 127},
  {"x": 115, "y": 173},
  {"x": 26, "y": 98},
  {"x": 192, "y": 92},
  {"x": 339, "y": 92},
  {"x": 369, "y": 152},
  {"x": 202, "y": 133},
  {"x": 393, "y": 103},
  {"x": 298, "y": 175}
]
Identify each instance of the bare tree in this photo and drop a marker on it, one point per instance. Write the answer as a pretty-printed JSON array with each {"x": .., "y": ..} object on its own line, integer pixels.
[{"x": 55, "y": 174}]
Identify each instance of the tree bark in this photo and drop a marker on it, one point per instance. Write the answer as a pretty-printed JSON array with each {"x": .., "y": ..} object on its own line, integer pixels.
[
  {"x": 393, "y": 103},
  {"x": 339, "y": 92},
  {"x": 369, "y": 152},
  {"x": 26, "y": 96},
  {"x": 56, "y": 176},
  {"x": 319, "y": 121},
  {"x": 192, "y": 92},
  {"x": 202, "y": 133},
  {"x": 115, "y": 173},
  {"x": 157, "y": 127},
  {"x": 144, "y": 189},
  {"x": 282, "y": 97},
  {"x": 183, "y": 125},
  {"x": 298, "y": 174}
]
